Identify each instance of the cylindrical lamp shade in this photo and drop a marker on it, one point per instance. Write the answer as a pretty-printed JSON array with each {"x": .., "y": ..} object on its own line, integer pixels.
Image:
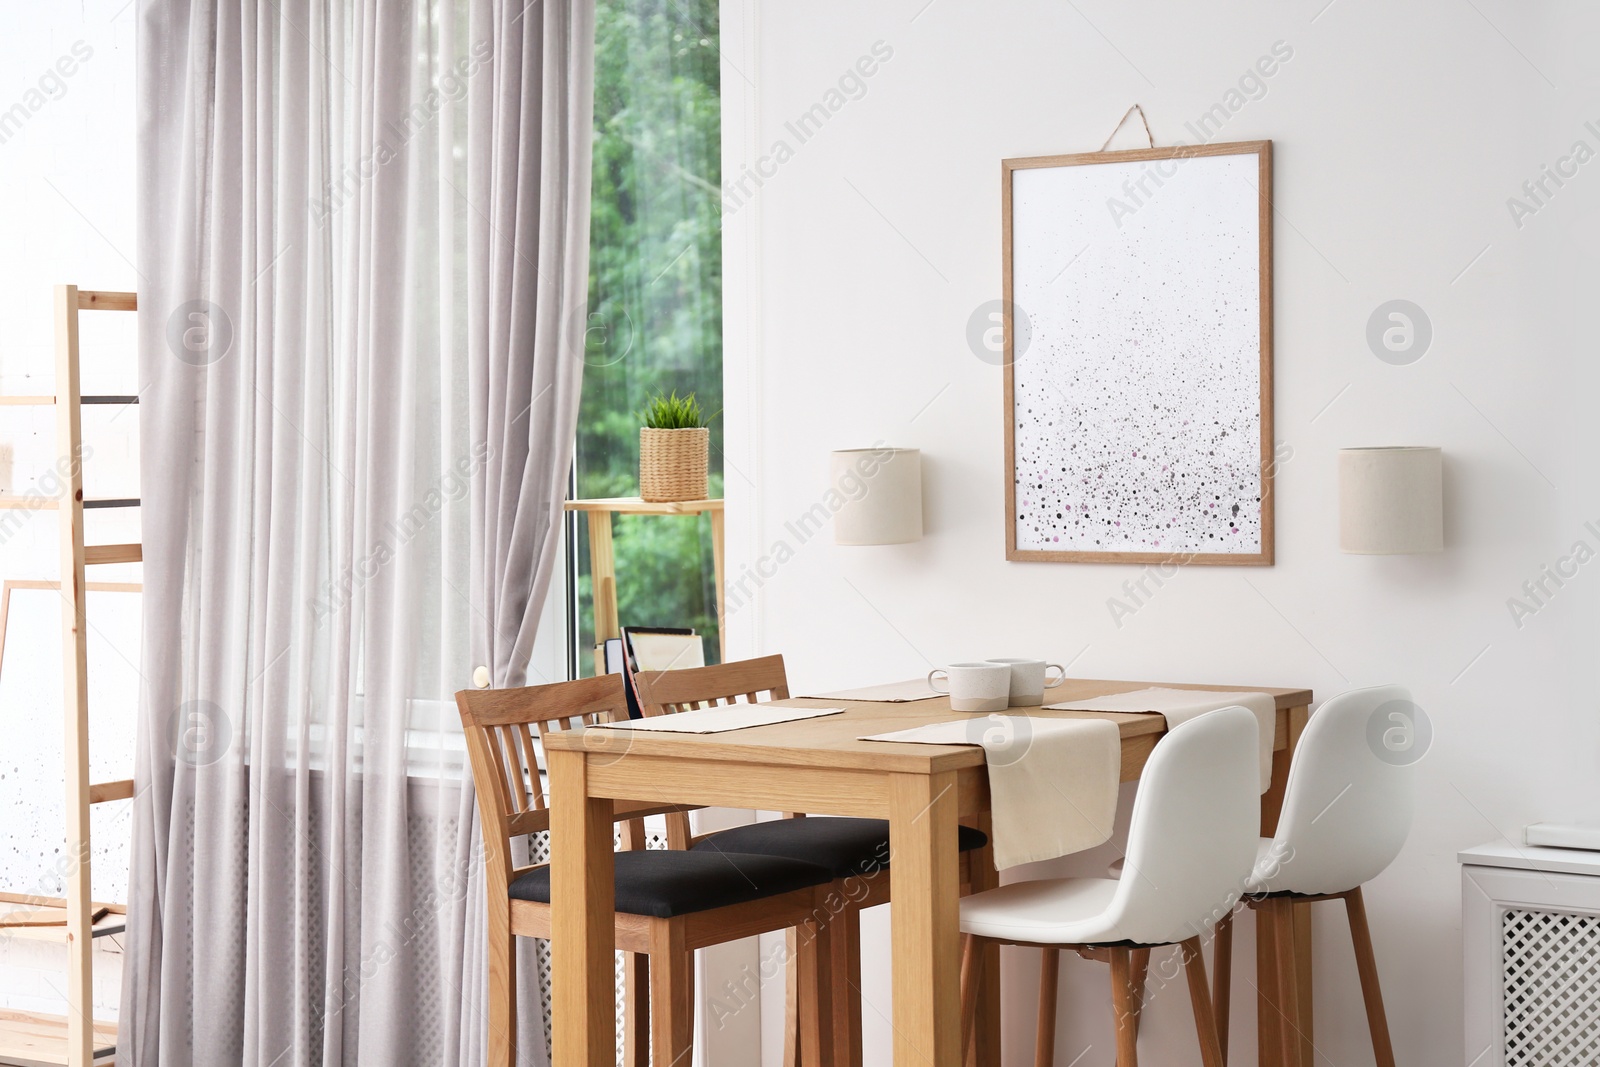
[
  {"x": 881, "y": 490},
  {"x": 1391, "y": 501}
]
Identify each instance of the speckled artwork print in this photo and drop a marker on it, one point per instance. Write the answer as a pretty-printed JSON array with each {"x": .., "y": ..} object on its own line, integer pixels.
[{"x": 1138, "y": 403}]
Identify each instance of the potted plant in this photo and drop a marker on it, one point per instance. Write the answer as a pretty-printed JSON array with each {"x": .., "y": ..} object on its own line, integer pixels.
[{"x": 674, "y": 445}]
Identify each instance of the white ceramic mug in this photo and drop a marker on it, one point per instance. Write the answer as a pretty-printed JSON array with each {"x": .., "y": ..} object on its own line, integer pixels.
[
  {"x": 1029, "y": 680},
  {"x": 983, "y": 686}
]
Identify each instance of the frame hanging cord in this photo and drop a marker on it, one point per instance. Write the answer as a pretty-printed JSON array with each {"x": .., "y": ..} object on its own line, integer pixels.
[{"x": 1148, "y": 136}]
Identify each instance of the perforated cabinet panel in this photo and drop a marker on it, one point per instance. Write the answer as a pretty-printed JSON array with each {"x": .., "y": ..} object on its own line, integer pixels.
[{"x": 1551, "y": 963}]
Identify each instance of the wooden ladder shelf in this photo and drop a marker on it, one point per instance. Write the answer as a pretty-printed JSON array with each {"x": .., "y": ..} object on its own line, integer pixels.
[{"x": 75, "y": 1040}]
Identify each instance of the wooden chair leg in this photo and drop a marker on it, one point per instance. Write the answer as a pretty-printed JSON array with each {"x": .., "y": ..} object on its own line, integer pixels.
[
  {"x": 1222, "y": 979},
  {"x": 971, "y": 977},
  {"x": 1044, "y": 1047},
  {"x": 1139, "y": 965},
  {"x": 635, "y": 976},
  {"x": 1122, "y": 1005},
  {"x": 1205, "y": 1021},
  {"x": 636, "y": 1010},
  {"x": 844, "y": 988},
  {"x": 791, "y": 1001},
  {"x": 816, "y": 1007},
  {"x": 671, "y": 996},
  {"x": 502, "y": 987},
  {"x": 1288, "y": 982},
  {"x": 1367, "y": 965}
]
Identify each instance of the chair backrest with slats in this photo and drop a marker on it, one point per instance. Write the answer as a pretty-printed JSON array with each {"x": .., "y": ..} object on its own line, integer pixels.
[
  {"x": 743, "y": 681},
  {"x": 502, "y": 726}
]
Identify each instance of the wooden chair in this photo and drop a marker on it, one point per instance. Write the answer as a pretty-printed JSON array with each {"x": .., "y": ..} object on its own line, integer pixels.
[
  {"x": 668, "y": 903},
  {"x": 856, "y": 851}
]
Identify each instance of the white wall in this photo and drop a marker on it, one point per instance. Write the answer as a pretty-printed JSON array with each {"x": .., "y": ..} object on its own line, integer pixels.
[
  {"x": 66, "y": 186},
  {"x": 1400, "y": 131}
]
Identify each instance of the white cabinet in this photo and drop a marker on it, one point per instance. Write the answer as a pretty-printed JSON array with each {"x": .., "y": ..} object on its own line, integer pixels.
[{"x": 1530, "y": 928}]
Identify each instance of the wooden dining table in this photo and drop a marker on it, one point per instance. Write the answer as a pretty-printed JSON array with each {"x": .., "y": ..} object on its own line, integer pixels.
[{"x": 819, "y": 766}]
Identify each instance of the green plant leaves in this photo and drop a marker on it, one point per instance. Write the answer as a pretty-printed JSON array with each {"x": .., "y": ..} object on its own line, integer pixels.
[{"x": 674, "y": 412}]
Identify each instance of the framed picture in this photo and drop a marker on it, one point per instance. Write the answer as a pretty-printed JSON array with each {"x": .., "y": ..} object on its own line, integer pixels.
[{"x": 1138, "y": 355}]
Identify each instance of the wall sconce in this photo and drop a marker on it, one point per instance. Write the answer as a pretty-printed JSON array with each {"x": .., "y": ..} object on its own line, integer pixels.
[
  {"x": 889, "y": 511},
  {"x": 1391, "y": 500}
]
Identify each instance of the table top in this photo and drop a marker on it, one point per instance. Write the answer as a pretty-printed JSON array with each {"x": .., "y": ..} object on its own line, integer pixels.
[{"x": 833, "y": 740}]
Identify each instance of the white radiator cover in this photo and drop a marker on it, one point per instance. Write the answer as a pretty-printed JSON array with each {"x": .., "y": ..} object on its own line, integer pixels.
[{"x": 1530, "y": 926}]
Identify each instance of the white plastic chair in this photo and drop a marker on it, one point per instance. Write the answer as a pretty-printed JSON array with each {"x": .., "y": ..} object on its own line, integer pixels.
[
  {"x": 1346, "y": 813},
  {"x": 1191, "y": 844}
]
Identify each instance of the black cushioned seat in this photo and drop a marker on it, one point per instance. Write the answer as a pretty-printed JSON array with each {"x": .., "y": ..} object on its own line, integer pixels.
[
  {"x": 844, "y": 846},
  {"x": 661, "y": 883}
]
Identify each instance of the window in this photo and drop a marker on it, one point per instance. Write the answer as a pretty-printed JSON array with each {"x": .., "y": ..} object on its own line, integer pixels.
[{"x": 655, "y": 299}]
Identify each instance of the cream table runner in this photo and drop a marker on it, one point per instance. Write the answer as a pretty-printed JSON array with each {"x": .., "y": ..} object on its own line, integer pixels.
[
  {"x": 1052, "y": 782},
  {"x": 1181, "y": 705}
]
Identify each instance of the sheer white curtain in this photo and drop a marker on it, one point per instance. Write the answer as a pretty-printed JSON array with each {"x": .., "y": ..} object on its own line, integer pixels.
[{"x": 364, "y": 229}]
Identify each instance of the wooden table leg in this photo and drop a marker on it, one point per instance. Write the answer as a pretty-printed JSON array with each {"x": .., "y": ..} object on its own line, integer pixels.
[
  {"x": 986, "y": 1049},
  {"x": 1300, "y": 922},
  {"x": 925, "y": 920},
  {"x": 1288, "y": 982},
  {"x": 582, "y": 917},
  {"x": 1269, "y": 1043},
  {"x": 1268, "y": 1037}
]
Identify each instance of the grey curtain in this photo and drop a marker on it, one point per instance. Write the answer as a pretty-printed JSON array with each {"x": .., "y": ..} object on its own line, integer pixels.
[{"x": 364, "y": 227}]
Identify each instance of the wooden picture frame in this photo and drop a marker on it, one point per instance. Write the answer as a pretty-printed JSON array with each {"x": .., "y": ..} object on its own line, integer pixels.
[{"x": 1188, "y": 546}]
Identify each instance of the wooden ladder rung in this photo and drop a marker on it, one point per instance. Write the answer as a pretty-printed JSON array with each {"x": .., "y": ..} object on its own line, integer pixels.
[
  {"x": 102, "y": 300},
  {"x": 41, "y": 1040},
  {"x": 50, "y": 401},
  {"x": 104, "y": 792},
  {"x": 94, "y": 554}
]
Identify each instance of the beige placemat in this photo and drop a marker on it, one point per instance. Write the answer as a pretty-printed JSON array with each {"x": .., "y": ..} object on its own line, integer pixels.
[
  {"x": 1181, "y": 705},
  {"x": 719, "y": 720},
  {"x": 1052, "y": 782},
  {"x": 892, "y": 693}
]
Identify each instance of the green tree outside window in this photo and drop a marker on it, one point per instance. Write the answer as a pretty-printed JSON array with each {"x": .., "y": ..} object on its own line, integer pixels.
[{"x": 655, "y": 295}]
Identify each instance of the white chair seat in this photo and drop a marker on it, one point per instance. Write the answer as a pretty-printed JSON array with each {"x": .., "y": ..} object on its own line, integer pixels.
[{"x": 1052, "y": 911}]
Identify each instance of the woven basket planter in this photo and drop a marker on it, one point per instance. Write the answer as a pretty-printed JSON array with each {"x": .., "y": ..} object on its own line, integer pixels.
[{"x": 672, "y": 464}]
